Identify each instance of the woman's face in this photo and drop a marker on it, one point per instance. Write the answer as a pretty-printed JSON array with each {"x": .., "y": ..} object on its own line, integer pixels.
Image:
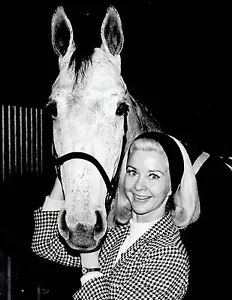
[{"x": 147, "y": 184}]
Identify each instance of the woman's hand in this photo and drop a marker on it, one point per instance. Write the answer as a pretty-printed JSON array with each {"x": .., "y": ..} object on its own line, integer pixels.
[
  {"x": 56, "y": 192},
  {"x": 90, "y": 259}
]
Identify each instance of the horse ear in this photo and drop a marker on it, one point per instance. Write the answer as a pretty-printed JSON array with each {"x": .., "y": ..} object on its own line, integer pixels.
[
  {"x": 62, "y": 33},
  {"x": 111, "y": 31}
]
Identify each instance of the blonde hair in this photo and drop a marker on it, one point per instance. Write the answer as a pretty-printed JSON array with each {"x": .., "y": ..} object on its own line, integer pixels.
[
  {"x": 185, "y": 199},
  {"x": 147, "y": 144}
]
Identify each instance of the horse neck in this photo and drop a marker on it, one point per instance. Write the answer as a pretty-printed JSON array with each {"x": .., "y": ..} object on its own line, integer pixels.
[{"x": 144, "y": 119}]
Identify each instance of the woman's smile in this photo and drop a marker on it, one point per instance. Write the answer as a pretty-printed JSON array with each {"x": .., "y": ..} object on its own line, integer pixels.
[
  {"x": 147, "y": 184},
  {"x": 141, "y": 198}
]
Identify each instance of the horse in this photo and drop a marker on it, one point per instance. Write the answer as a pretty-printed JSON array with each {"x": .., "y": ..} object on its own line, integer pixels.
[{"x": 94, "y": 121}]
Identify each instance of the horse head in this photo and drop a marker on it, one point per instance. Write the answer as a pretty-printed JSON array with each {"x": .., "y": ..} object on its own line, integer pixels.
[{"x": 94, "y": 121}]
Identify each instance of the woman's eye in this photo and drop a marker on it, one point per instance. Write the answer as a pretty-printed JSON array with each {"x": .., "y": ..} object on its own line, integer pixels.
[
  {"x": 131, "y": 172},
  {"x": 154, "y": 176}
]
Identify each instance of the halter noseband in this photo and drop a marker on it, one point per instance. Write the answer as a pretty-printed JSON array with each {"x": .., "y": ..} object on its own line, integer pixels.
[{"x": 110, "y": 184}]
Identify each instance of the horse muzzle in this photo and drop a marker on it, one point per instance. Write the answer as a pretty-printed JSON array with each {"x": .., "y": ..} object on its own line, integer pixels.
[{"x": 82, "y": 237}]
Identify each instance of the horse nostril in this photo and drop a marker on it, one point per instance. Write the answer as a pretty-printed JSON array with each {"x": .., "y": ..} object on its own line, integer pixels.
[
  {"x": 63, "y": 228},
  {"x": 99, "y": 223},
  {"x": 63, "y": 225}
]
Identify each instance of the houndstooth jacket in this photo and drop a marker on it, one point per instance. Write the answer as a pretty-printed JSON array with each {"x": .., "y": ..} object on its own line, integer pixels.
[{"x": 155, "y": 267}]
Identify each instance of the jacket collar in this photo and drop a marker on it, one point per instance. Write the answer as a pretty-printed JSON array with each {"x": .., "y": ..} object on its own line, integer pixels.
[{"x": 164, "y": 227}]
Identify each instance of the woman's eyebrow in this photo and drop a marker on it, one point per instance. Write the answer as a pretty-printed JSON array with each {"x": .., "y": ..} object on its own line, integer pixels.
[
  {"x": 129, "y": 166},
  {"x": 149, "y": 171},
  {"x": 156, "y": 171}
]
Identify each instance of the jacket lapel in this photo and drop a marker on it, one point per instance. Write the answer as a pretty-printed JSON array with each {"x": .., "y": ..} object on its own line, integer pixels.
[
  {"x": 113, "y": 251},
  {"x": 164, "y": 227}
]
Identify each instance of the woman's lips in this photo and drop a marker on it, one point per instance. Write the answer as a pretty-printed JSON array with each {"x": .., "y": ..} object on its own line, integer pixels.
[{"x": 141, "y": 198}]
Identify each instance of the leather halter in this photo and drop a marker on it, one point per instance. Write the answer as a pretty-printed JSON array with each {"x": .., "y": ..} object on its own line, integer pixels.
[{"x": 111, "y": 185}]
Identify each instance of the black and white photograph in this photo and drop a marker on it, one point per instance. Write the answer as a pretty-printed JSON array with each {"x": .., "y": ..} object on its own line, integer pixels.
[{"x": 116, "y": 150}]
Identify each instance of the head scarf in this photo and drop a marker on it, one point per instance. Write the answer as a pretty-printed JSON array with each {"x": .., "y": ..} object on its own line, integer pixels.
[
  {"x": 174, "y": 155},
  {"x": 184, "y": 186}
]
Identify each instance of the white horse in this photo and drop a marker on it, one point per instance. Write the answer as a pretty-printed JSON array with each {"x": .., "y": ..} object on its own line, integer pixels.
[{"x": 94, "y": 121}]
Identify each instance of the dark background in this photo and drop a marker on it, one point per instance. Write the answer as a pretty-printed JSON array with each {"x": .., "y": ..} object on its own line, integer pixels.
[{"x": 175, "y": 60}]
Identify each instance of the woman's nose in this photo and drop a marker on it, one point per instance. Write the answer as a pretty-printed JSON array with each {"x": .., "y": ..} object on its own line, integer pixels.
[{"x": 140, "y": 184}]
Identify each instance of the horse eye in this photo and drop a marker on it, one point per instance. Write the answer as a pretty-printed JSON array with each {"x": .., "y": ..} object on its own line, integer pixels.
[
  {"x": 52, "y": 108},
  {"x": 122, "y": 109}
]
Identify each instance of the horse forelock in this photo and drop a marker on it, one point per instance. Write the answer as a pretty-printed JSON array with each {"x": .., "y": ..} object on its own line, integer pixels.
[{"x": 79, "y": 63}]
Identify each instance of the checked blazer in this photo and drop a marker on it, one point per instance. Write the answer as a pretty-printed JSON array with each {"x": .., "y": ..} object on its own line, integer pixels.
[{"x": 155, "y": 267}]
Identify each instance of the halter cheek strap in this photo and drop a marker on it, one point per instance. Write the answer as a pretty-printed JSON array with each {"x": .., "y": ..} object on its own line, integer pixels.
[
  {"x": 81, "y": 155},
  {"x": 90, "y": 158}
]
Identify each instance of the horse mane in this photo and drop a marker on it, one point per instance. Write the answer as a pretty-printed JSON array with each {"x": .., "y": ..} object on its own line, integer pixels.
[{"x": 146, "y": 119}]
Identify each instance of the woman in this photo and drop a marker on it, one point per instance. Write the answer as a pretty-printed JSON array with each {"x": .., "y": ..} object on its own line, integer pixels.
[{"x": 145, "y": 258}]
